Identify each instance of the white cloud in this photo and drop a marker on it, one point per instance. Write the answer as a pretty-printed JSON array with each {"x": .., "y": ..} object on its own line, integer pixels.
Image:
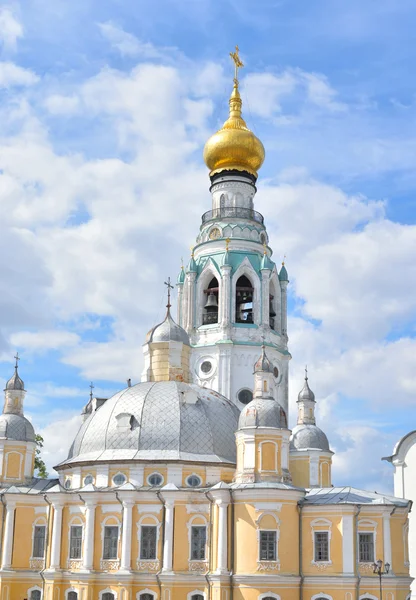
[
  {"x": 13, "y": 75},
  {"x": 57, "y": 104},
  {"x": 58, "y": 433},
  {"x": 129, "y": 45},
  {"x": 10, "y": 28},
  {"x": 43, "y": 340}
]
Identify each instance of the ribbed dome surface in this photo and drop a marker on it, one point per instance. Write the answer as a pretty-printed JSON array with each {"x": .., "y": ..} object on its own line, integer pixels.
[
  {"x": 306, "y": 437},
  {"x": 15, "y": 383},
  {"x": 262, "y": 413},
  {"x": 168, "y": 331},
  {"x": 16, "y": 427},
  {"x": 166, "y": 420}
]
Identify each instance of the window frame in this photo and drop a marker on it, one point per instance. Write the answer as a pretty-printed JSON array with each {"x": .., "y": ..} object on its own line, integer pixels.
[
  {"x": 151, "y": 475},
  {"x": 140, "y": 593},
  {"x": 202, "y": 548},
  {"x": 190, "y": 595},
  {"x": 372, "y": 560},
  {"x": 35, "y": 588},
  {"x": 321, "y": 525},
  {"x": 117, "y": 475},
  {"x": 39, "y": 522},
  {"x": 274, "y": 531},
  {"x": 107, "y": 591},
  {"x": 192, "y": 523},
  {"x": 71, "y": 526},
  {"x": 71, "y": 590},
  {"x": 199, "y": 484},
  {"x": 105, "y": 524},
  {"x": 316, "y": 546}
]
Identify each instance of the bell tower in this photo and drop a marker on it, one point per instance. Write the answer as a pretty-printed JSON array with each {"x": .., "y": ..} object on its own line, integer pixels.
[{"x": 231, "y": 297}]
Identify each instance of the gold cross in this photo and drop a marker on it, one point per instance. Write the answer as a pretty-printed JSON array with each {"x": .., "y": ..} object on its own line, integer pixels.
[{"x": 238, "y": 63}]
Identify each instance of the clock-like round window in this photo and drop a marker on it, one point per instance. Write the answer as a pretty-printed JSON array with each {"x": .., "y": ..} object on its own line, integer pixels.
[
  {"x": 276, "y": 372},
  {"x": 206, "y": 367},
  {"x": 119, "y": 479},
  {"x": 193, "y": 481},
  {"x": 245, "y": 396},
  {"x": 155, "y": 479},
  {"x": 88, "y": 479},
  {"x": 214, "y": 234}
]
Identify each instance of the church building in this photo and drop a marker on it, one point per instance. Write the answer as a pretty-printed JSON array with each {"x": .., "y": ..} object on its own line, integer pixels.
[{"x": 192, "y": 484}]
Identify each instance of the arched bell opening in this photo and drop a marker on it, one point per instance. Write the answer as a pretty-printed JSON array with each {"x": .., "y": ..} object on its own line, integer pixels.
[
  {"x": 210, "y": 314},
  {"x": 274, "y": 306},
  {"x": 244, "y": 293}
]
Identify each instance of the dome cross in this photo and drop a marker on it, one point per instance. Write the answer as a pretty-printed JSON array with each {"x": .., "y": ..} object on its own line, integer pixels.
[
  {"x": 17, "y": 357},
  {"x": 238, "y": 63},
  {"x": 170, "y": 287}
]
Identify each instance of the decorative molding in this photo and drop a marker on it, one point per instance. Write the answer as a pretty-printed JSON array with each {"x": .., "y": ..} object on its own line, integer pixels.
[
  {"x": 74, "y": 564},
  {"x": 148, "y": 508},
  {"x": 73, "y": 509},
  {"x": 37, "y": 564},
  {"x": 197, "y": 508},
  {"x": 110, "y": 565},
  {"x": 198, "y": 566},
  {"x": 110, "y": 508},
  {"x": 268, "y": 565},
  {"x": 366, "y": 567},
  {"x": 149, "y": 566},
  {"x": 321, "y": 566}
]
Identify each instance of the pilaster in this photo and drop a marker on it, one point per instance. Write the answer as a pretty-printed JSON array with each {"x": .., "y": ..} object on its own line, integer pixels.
[
  {"x": 88, "y": 564},
  {"x": 56, "y": 536},
  {"x": 6, "y": 561}
]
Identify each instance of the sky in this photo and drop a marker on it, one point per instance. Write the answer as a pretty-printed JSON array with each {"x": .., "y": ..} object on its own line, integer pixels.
[{"x": 105, "y": 107}]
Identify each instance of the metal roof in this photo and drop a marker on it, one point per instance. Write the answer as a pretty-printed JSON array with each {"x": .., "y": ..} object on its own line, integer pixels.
[{"x": 350, "y": 495}]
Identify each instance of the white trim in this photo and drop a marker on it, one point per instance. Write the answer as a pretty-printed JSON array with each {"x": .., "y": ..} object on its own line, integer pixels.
[
  {"x": 146, "y": 591},
  {"x": 368, "y": 597},
  {"x": 91, "y": 482},
  {"x": 370, "y": 526},
  {"x": 34, "y": 589},
  {"x": 39, "y": 522},
  {"x": 193, "y": 475},
  {"x": 72, "y": 589},
  {"x": 321, "y": 522},
  {"x": 191, "y": 524},
  {"x": 268, "y": 595},
  {"x": 246, "y": 268},
  {"x": 7, "y": 464},
  {"x": 116, "y": 475},
  {"x": 106, "y": 591},
  {"x": 260, "y": 451},
  {"x": 103, "y": 526},
  {"x": 155, "y": 473},
  {"x": 156, "y": 523},
  {"x": 321, "y": 595},
  {"x": 75, "y": 522},
  {"x": 202, "y": 283},
  {"x": 189, "y": 596}
]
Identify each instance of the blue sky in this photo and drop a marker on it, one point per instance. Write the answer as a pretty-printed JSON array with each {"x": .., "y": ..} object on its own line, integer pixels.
[{"x": 105, "y": 108}]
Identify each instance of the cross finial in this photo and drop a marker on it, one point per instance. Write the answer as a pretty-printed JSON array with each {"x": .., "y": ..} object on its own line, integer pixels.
[
  {"x": 283, "y": 261},
  {"x": 91, "y": 388},
  {"x": 238, "y": 64},
  {"x": 170, "y": 287},
  {"x": 17, "y": 360},
  {"x": 306, "y": 372},
  {"x": 182, "y": 263}
]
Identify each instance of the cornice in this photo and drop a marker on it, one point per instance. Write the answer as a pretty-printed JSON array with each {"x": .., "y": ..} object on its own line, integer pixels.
[
  {"x": 278, "y": 495},
  {"x": 266, "y": 580}
]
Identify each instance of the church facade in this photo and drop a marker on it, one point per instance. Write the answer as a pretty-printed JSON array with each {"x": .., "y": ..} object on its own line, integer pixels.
[{"x": 191, "y": 485}]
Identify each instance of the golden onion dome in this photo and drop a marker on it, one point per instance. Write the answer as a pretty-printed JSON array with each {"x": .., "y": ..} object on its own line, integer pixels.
[{"x": 234, "y": 146}]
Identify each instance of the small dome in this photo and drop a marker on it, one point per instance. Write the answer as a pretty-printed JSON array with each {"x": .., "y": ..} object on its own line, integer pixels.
[
  {"x": 262, "y": 412},
  {"x": 16, "y": 427},
  {"x": 15, "y": 383},
  {"x": 168, "y": 331},
  {"x": 234, "y": 146},
  {"x": 169, "y": 421},
  {"x": 263, "y": 363},
  {"x": 308, "y": 437},
  {"x": 306, "y": 393},
  {"x": 283, "y": 276},
  {"x": 266, "y": 263},
  {"x": 181, "y": 276}
]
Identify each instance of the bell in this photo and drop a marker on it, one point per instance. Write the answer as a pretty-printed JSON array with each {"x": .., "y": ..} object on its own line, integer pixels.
[{"x": 211, "y": 302}]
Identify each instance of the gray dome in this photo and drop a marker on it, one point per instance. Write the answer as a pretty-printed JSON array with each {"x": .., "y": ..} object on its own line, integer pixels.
[
  {"x": 263, "y": 363},
  {"x": 168, "y": 331},
  {"x": 166, "y": 420},
  {"x": 305, "y": 437},
  {"x": 262, "y": 412},
  {"x": 306, "y": 393},
  {"x": 16, "y": 427},
  {"x": 15, "y": 383}
]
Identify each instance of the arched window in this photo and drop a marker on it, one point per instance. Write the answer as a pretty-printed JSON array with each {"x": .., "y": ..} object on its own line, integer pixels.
[
  {"x": 72, "y": 596},
  {"x": 197, "y": 597},
  {"x": 35, "y": 594},
  {"x": 146, "y": 597},
  {"x": 108, "y": 596},
  {"x": 210, "y": 314},
  {"x": 244, "y": 300}
]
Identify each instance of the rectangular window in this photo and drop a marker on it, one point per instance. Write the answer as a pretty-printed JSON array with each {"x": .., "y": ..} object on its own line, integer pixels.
[
  {"x": 366, "y": 547},
  {"x": 148, "y": 542},
  {"x": 39, "y": 541},
  {"x": 268, "y": 545},
  {"x": 75, "y": 541},
  {"x": 110, "y": 550},
  {"x": 321, "y": 546},
  {"x": 198, "y": 542}
]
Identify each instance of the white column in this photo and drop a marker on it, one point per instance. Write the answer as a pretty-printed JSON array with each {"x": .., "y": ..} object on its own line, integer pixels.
[
  {"x": 387, "y": 539},
  {"x": 222, "y": 566},
  {"x": 283, "y": 285},
  {"x": 127, "y": 531},
  {"x": 56, "y": 536},
  {"x": 348, "y": 545},
  {"x": 89, "y": 536},
  {"x": 6, "y": 562},
  {"x": 265, "y": 297},
  {"x": 168, "y": 544},
  {"x": 225, "y": 300}
]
